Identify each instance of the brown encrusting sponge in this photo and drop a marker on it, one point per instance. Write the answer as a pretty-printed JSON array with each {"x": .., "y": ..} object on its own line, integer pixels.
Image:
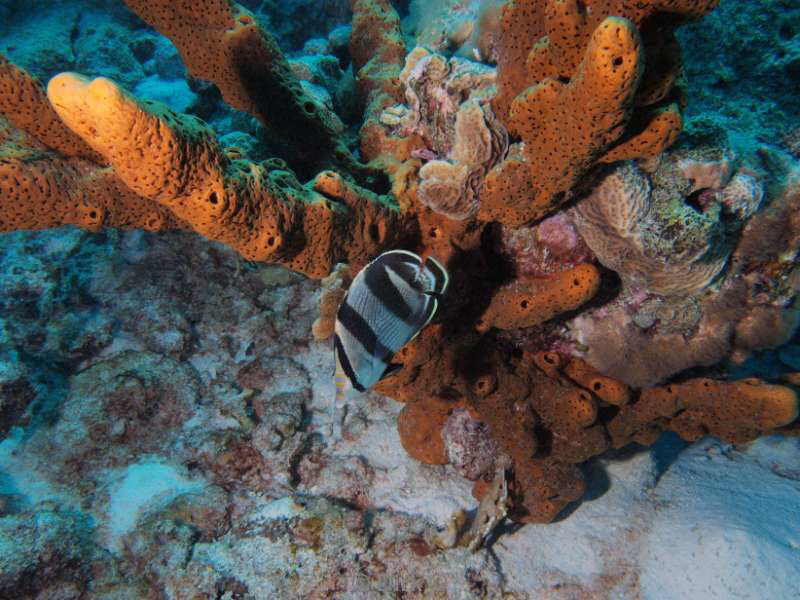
[
  {"x": 736, "y": 411},
  {"x": 533, "y": 300},
  {"x": 578, "y": 84}
]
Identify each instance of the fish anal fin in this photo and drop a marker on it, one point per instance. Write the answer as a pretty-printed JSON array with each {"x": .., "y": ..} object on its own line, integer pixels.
[{"x": 391, "y": 368}]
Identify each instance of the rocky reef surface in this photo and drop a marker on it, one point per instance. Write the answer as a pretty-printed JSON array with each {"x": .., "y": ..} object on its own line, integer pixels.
[{"x": 169, "y": 434}]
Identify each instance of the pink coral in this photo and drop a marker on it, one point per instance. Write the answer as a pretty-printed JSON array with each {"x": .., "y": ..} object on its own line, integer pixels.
[
  {"x": 469, "y": 445},
  {"x": 549, "y": 247}
]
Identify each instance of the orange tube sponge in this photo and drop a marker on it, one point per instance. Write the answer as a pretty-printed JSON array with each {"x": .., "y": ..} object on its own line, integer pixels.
[
  {"x": 24, "y": 103},
  {"x": 568, "y": 413},
  {"x": 377, "y": 48},
  {"x": 420, "y": 427},
  {"x": 378, "y": 53},
  {"x": 578, "y": 84},
  {"x": 530, "y": 301},
  {"x": 542, "y": 488},
  {"x": 564, "y": 407},
  {"x": 732, "y": 411},
  {"x": 50, "y": 177},
  {"x": 608, "y": 389},
  {"x": 221, "y": 41},
  {"x": 548, "y": 39},
  {"x": 39, "y": 190},
  {"x": 560, "y": 141},
  {"x": 260, "y": 210}
]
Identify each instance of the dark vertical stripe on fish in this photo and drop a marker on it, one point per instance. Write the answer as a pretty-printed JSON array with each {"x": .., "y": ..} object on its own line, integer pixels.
[
  {"x": 382, "y": 288},
  {"x": 407, "y": 264},
  {"x": 439, "y": 274},
  {"x": 344, "y": 361},
  {"x": 357, "y": 326}
]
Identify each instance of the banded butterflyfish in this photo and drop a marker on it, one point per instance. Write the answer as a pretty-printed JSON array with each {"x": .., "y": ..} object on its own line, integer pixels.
[{"x": 388, "y": 303}]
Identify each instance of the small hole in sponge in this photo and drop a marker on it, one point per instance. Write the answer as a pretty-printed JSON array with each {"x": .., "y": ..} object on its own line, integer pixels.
[
  {"x": 617, "y": 61},
  {"x": 374, "y": 232},
  {"x": 524, "y": 304},
  {"x": 700, "y": 199},
  {"x": 271, "y": 241},
  {"x": 213, "y": 198}
]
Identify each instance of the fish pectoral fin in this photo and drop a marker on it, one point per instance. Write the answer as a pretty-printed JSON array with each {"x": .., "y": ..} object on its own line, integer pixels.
[{"x": 391, "y": 368}]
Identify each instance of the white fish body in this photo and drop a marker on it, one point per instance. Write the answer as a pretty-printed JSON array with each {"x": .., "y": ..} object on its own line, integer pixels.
[{"x": 389, "y": 301}]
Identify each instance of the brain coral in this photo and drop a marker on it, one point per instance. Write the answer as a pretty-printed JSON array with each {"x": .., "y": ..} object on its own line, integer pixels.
[{"x": 651, "y": 235}]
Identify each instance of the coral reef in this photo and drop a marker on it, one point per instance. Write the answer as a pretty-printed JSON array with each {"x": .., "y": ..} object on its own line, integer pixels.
[
  {"x": 660, "y": 325},
  {"x": 591, "y": 266},
  {"x": 593, "y": 59},
  {"x": 449, "y": 110},
  {"x": 653, "y": 236}
]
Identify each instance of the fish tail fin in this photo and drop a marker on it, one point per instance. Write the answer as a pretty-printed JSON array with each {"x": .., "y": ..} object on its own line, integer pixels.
[{"x": 339, "y": 400}]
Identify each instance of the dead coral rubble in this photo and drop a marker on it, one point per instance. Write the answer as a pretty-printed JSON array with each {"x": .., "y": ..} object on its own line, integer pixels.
[{"x": 577, "y": 85}]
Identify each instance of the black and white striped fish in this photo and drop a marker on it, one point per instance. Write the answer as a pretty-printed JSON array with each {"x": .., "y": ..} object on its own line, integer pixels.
[{"x": 388, "y": 303}]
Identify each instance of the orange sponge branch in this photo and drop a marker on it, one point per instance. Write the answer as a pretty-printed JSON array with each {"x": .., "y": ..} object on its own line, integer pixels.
[
  {"x": 222, "y": 42},
  {"x": 259, "y": 209}
]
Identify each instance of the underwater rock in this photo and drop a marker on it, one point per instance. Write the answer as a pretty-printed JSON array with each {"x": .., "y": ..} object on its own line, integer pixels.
[
  {"x": 470, "y": 448},
  {"x": 295, "y": 21},
  {"x": 174, "y": 93},
  {"x": 444, "y": 26},
  {"x": 16, "y": 393},
  {"x": 746, "y": 93},
  {"x": 45, "y": 553}
]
